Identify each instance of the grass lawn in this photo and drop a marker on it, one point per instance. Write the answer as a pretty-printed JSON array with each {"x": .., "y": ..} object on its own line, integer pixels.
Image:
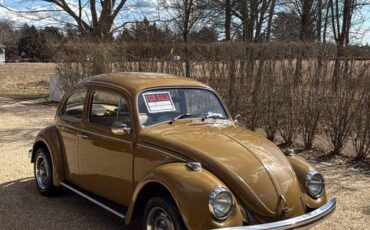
[{"x": 25, "y": 80}]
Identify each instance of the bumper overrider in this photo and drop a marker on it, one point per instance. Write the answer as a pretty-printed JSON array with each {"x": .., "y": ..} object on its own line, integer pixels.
[{"x": 305, "y": 221}]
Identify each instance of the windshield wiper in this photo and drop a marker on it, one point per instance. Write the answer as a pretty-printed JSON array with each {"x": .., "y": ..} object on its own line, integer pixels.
[
  {"x": 213, "y": 117},
  {"x": 181, "y": 116}
]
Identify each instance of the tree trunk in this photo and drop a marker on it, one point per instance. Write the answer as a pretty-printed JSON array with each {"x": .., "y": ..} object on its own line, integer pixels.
[
  {"x": 253, "y": 13},
  {"x": 336, "y": 72},
  {"x": 269, "y": 22},
  {"x": 245, "y": 20},
  {"x": 186, "y": 56},
  {"x": 228, "y": 20},
  {"x": 303, "y": 36},
  {"x": 232, "y": 84},
  {"x": 305, "y": 20},
  {"x": 186, "y": 30},
  {"x": 326, "y": 22},
  {"x": 341, "y": 36},
  {"x": 319, "y": 21}
]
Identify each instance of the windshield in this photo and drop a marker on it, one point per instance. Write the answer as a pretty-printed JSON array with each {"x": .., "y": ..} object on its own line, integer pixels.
[{"x": 166, "y": 104}]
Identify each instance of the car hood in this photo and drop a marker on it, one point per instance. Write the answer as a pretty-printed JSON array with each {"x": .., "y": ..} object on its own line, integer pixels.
[{"x": 255, "y": 169}]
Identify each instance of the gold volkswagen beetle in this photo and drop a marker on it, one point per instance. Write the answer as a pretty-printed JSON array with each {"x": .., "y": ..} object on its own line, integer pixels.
[{"x": 164, "y": 150}]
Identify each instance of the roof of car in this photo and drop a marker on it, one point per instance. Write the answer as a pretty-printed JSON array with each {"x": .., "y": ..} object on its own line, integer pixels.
[{"x": 139, "y": 81}]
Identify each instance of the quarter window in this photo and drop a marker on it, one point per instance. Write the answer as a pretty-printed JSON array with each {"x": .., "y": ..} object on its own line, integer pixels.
[
  {"x": 74, "y": 106},
  {"x": 107, "y": 108}
]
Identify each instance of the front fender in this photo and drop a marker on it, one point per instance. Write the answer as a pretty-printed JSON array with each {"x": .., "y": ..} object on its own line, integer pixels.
[
  {"x": 301, "y": 167},
  {"x": 190, "y": 190},
  {"x": 49, "y": 138}
]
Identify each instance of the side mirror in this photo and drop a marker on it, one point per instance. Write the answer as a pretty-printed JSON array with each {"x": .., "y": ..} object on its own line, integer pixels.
[
  {"x": 120, "y": 128},
  {"x": 237, "y": 118}
]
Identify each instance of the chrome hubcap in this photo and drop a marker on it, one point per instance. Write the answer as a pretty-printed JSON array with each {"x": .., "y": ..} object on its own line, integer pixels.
[
  {"x": 42, "y": 175},
  {"x": 158, "y": 219}
]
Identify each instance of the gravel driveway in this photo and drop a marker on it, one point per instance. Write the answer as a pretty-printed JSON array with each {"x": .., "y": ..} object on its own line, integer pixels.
[{"x": 21, "y": 207}]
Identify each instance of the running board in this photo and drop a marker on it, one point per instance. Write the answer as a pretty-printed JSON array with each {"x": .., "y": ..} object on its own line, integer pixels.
[{"x": 107, "y": 205}]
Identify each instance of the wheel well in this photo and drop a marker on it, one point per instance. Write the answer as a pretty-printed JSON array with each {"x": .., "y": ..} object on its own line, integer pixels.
[
  {"x": 152, "y": 189},
  {"x": 36, "y": 146}
]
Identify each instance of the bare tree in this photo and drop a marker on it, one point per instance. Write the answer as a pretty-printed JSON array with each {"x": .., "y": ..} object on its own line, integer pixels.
[
  {"x": 256, "y": 18},
  {"x": 306, "y": 19},
  {"x": 93, "y": 18},
  {"x": 186, "y": 15},
  {"x": 314, "y": 17},
  {"x": 286, "y": 27},
  {"x": 8, "y": 37},
  {"x": 270, "y": 17},
  {"x": 341, "y": 15},
  {"x": 326, "y": 21}
]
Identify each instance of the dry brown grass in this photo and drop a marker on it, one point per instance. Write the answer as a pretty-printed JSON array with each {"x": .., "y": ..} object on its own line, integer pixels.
[{"x": 25, "y": 80}]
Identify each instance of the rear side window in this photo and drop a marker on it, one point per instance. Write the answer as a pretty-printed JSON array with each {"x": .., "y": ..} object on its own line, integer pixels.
[
  {"x": 74, "y": 106},
  {"x": 107, "y": 108}
]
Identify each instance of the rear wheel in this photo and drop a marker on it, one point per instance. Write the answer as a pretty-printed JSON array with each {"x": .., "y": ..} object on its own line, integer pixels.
[
  {"x": 162, "y": 214},
  {"x": 43, "y": 172}
]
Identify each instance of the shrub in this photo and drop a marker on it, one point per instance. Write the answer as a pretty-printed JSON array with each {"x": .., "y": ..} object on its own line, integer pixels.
[
  {"x": 259, "y": 81},
  {"x": 361, "y": 129},
  {"x": 312, "y": 94},
  {"x": 344, "y": 103}
]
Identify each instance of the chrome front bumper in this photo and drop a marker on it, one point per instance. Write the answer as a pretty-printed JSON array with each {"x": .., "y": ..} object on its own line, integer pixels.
[{"x": 305, "y": 221}]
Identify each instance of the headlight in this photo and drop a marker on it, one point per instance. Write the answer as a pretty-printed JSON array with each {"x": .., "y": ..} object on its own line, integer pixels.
[
  {"x": 220, "y": 203},
  {"x": 314, "y": 183}
]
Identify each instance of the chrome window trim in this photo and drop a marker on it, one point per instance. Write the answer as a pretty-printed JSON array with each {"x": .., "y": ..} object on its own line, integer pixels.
[
  {"x": 91, "y": 97},
  {"x": 106, "y": 84},
  {"x": 161, "y": 151},
  {"x": 227, "y": 112},
  {"x": 305, "y": 221},
  {"x": 94, "y": 133},
  {"x": 70, "y": 118}
]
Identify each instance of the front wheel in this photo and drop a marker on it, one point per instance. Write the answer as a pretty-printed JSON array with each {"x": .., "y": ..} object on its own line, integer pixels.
[
  {"x": 43, "y": 173},
  {"x": 161, "y": 214}
]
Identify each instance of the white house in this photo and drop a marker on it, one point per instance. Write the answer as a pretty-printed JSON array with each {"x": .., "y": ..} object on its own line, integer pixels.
[{"x": 2, "y": 54}]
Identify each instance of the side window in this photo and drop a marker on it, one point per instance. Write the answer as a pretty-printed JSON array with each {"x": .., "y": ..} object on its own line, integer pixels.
[
  {"x": 107, "y": 108},
  {"x": 74, "y": 106}
]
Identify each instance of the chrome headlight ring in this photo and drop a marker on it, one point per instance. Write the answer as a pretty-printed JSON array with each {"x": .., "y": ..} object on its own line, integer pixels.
[
  {"x": 220, "y": 203},
  {"x": 314, "y": 183}
]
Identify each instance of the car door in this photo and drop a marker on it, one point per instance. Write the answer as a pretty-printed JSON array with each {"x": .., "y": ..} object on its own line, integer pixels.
[
  {"x": 105, "y": 158},
  {"x": 69, "y": 124}
]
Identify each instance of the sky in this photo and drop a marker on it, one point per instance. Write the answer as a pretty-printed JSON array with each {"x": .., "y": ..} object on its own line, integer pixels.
[{"x": 137, "y": 9}]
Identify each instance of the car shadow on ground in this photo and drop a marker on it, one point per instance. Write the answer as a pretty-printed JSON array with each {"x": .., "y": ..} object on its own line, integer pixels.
[{"x": 22, "y": 207}]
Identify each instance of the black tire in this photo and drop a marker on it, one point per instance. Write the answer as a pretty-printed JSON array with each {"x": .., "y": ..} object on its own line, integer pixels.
[
  {"x": 43, "y": 173},
  {"x": 159, "y": 204}
]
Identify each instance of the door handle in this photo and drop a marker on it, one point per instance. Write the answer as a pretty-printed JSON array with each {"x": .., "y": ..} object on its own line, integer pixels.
[{"x": 83, "y": 136}]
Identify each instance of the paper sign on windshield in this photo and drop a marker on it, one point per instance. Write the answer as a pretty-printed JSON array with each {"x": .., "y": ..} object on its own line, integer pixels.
[{"x": 158, "y": 102}]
